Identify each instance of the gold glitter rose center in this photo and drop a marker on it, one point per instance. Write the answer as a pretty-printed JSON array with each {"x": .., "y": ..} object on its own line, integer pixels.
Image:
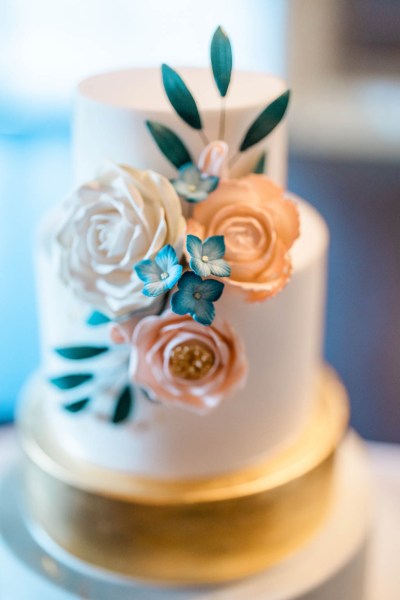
[{"x": 191, "y": 360}]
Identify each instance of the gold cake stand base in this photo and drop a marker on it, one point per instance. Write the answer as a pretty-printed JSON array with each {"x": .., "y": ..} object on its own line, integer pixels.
[{"x": 186, "y": 532}]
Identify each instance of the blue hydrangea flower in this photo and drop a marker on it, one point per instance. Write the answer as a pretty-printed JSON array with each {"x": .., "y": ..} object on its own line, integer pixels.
[
  {"x": 161, "y": 274},
  {"x": 193, "y": 185},
  {"x": 195, "y": 297},
  {"x": 206, "y": 258}
]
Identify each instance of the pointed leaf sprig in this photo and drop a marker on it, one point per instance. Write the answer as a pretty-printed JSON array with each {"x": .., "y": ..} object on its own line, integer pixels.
[
  {"x": 124, "y": 405},
  {"x": 169, "y": 143},
  {"x": 73, "y": 380},
  {"x": 221, "y": 60},
  {"x": 180, "y": 97},
  {"x": 97, "y": 318},
  {"x": 81, "y": 352},
  {"x": 259, "y": 167},
  {"x": 77, "y": 405},
  {"x": 266, "y": 121}
]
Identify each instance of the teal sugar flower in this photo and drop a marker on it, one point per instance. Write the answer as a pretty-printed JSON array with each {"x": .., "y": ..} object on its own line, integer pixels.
[
  {"x": 161, "y": 274},
  {"x": 195, "y": 297},
  {"x": 206, "y": 258},
  {"x": 193, "y": 185}
]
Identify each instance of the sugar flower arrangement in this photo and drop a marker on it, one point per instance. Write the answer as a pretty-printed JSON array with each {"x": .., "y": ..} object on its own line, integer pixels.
[{"x": 154, "y": 256}]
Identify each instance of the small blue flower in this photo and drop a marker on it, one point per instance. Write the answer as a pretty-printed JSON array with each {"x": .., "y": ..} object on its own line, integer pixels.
[
  {"x": 193, "y": 185},
  {"x": 207, "y": 258},
  {"x": 161, "y": 274},
  {"x": 195, "y": 297}
]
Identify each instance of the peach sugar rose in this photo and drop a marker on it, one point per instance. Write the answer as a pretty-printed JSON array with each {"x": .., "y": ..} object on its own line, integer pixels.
[
  {"x": 259, "y": 227},
  {"x": 181, "y": 362}
]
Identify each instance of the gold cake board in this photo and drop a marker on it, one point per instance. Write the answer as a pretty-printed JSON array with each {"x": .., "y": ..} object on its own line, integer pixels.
[{"x": 186, "y": 532}]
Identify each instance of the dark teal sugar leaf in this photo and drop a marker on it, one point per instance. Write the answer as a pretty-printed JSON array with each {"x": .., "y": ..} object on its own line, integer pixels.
[
  {"x": 180, "y": 97},
  {"x": 97, "y": 318},
  {"x": 77, "y": 406},
  {"x": 124, "y": 405},
  {"x": 259, "y": 167},
  {"x": 67, "y": 382},
  {"x": 81, "y": 352},
  {"x": 170, "y": 144},
  {"x": 221, "y": 60},
  {"x": 266, "y": 121}
]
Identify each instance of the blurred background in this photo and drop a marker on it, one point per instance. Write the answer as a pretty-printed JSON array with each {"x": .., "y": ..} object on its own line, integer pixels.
[{"x": 342, "y": 59}]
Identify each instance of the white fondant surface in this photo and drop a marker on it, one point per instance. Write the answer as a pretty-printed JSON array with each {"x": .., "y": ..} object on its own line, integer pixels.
[
  {"x": 283, "y": 341},
  {"x": 111, "y": 110},
  {"x": 330, "y": 567}
]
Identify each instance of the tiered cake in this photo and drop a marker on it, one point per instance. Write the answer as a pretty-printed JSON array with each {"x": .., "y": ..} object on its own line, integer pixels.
[{"x": 184, "y": 428}]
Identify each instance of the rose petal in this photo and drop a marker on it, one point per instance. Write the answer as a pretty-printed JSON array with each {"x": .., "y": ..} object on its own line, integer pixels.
[{"x": 282, "y": 211}]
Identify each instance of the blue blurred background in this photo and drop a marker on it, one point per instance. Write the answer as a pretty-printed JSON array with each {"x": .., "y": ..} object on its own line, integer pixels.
[{"x": 341, "y": 57}]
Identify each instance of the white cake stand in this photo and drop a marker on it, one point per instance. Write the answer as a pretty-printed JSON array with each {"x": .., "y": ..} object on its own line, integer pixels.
[{"x": 330, "y": 567}]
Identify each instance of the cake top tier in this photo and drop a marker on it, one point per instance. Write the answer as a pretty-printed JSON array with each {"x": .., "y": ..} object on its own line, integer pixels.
[
  {"x": 125, "y": 115},
  {"x": 141, "y": 89}
]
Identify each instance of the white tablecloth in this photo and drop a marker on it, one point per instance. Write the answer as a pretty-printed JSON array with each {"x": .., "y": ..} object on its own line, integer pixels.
[{"x": 384, "y": 570}]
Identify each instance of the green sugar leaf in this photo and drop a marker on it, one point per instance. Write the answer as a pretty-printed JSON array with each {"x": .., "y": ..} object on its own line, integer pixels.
[
  {"x": 259, "y": 167},
  {"x": 266, "y": 121},
  {"x": 67, "y": 382},
  {"x": 180, "y": 97},
  {"x": 170, "y": 144},
  {"x": 124, "y": 405},
  {"x": 80, "y": 352},
  {"x": 77, "y": 406},
  {"x": 221, "y": 60},
  {"x": 97, "y": 318}
]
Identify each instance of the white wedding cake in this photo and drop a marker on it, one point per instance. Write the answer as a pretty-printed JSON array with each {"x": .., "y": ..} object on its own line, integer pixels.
[
  {"x": 184, "y": 428},
  {"x": 281, "y": 336}
]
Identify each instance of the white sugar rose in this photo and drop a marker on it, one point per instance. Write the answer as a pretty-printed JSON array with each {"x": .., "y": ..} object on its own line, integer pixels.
[{"x": 109, "y": 225}]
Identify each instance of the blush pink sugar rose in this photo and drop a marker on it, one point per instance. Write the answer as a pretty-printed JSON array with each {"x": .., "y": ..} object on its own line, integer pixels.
[{"x": 154, "y": 341}]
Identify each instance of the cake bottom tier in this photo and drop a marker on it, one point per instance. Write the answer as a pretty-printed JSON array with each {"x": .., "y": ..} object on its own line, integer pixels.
[
  {"x": 185, "y": 532},
  {"x": 330, "y": 566}
]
